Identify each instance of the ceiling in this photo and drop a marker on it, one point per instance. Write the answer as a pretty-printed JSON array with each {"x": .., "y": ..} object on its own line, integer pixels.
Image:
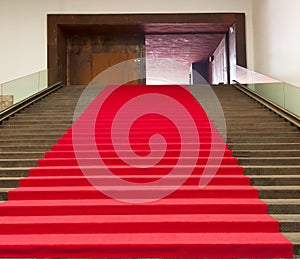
[
  {"x": 172, "y": 48},
  {"x": 170, "y": 56}
]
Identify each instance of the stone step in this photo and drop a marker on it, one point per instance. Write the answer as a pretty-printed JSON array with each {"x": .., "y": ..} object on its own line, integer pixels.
[
  {"x": 266, "y": 153},
  {"x": 253, "y": 118},
  {"x": 250, "y": 121},
  {"x": 275, "y": 134},
  {"x": 27, "y": 135},
  {"x": 254, "y": 124},
  {"x": 23, "y": 142},
  {"x": 288, "y": 223},
  {"x": 42, "y": 117},
  {"x": 3, "y": 193},
  {"x": 279, "y": 192},
  {"x": 38, "y": 121},
  {"x": 26, "y": 148},
  {"x": 36, "y": 112},
  {"x": 259, "y": 127},
  {"x": 14, "y": 172},
  {"x": 294, "y": 237},
  {"x": 38, "y": 127},
  {"x": 269, "y": 161},
  {"x": 32, "y": 122},
  {"x": 271, "y": 170},
  {"x": 18, "y": 163},
  {"x": 263, "y": 139},
  {"x": 44, "y": 131},
  {"x": 278, "y": 180},
  {"x": 21, "y": 155},
  {"x": 264, "y": 130},
  {"x": 283, "y": 206},
  {"x": 9, "y": 182},
  {"x": 265, "y": 146}
]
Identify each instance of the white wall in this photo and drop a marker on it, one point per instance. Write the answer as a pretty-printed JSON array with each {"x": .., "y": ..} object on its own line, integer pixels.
[
  {"x": 23, "y": 28},
  {"x": 276, "y": 39}
]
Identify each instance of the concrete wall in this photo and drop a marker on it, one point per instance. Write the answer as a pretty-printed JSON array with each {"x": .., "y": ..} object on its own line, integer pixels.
[
  {"x": 276, "y": 39},
  {"x": 23, "y": 30}
]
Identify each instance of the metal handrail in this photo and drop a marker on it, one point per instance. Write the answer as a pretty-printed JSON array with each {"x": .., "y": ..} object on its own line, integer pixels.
[{"x": 5, "y": 114}]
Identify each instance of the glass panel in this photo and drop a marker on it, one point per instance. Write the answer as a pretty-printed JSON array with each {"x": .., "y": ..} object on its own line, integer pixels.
[
  {"x": 271, "y": 91},
  {"x": 292, "y": 98},
  {"x": 22, "y": 87},
  {"x": 43, "y": 83},
  {"x": 285, "y": 95},
  {"x": 19, "y": 89}
]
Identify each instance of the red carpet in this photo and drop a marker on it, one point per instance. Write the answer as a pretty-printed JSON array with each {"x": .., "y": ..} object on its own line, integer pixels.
[{"x": 111, "y": 188}]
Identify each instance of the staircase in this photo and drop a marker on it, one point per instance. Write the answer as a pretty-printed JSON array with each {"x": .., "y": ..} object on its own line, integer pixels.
[
  {"x": 25, "y": 137},
  {"x": 268, "y": 147}
]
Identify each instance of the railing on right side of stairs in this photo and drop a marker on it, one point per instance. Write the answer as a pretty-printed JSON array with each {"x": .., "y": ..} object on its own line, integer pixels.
[
  {"x": 281, "y": 97},
  {"x": 19, "y": 93}
]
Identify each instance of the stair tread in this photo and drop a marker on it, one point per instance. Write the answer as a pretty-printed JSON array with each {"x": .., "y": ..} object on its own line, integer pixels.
[
  {"x": 119, "y": 188},
  {"x": 273, "y": 176},
  {"x": 146, "y": 239},
  {"x": 282, "y": 201},
  {"x": 137, "y": 218},
  {"x": 293, "y": 237},
  {"x": 279, "y": 187},
  {"x": 287, "y": 217},
  {"x": 9, "y": 178},
  {"x": 272, "y": 166},
  {"x": 86, "y": 202}
]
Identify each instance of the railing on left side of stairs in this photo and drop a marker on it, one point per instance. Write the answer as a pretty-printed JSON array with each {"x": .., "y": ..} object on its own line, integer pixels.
[{"x": 19, "y": 93}]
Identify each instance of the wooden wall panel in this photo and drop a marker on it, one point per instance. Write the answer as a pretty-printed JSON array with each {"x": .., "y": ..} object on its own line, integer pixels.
[{"x": 89, "y": 55}]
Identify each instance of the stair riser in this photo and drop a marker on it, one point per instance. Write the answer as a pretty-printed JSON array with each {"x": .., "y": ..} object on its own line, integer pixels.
[
  {"x": 17, "y": 172},
  {"x": 28, "y": 148},
  {"x": 271, "y": 171},
  {"x": 75, "y": 171},
  {"x": 132, "y": 210},
  {"x": 284, "y": 209},
  {"x": 291, "y": 226},
  {"x": 263, "y": 140},
  {"x": 18, "y": 194},
  {"x": 279, "y": 194},
  {"x": 269, "y": 181},
  {"x": 23, "y": 155},
  {"x": 18, "y": 163},
  {"x": 3, "y": 196},
  {"x": 254, "y": 154},
  {"x": 9, "y": 183},
  {"x": 268, "y": 146},
  {"x": 30, "y": 136},
  {"x": 271, "y": 161},
  {"x": 83, "y": 181},
  {"x": 139, "y": 227},
  {"x": 22, "y": 142}
]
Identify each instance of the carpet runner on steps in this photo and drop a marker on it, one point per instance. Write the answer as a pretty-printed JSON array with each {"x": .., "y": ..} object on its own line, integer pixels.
[{"x": 70, "y": 206}]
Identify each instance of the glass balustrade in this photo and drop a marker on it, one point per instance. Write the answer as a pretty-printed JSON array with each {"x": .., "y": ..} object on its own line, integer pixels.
[
  {"x": 21, "y": 88},
  {"x": 283, "y": 94}
]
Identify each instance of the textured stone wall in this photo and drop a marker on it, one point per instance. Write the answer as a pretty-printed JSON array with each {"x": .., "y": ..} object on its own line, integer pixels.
[{"x": 5, "y": 101}]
